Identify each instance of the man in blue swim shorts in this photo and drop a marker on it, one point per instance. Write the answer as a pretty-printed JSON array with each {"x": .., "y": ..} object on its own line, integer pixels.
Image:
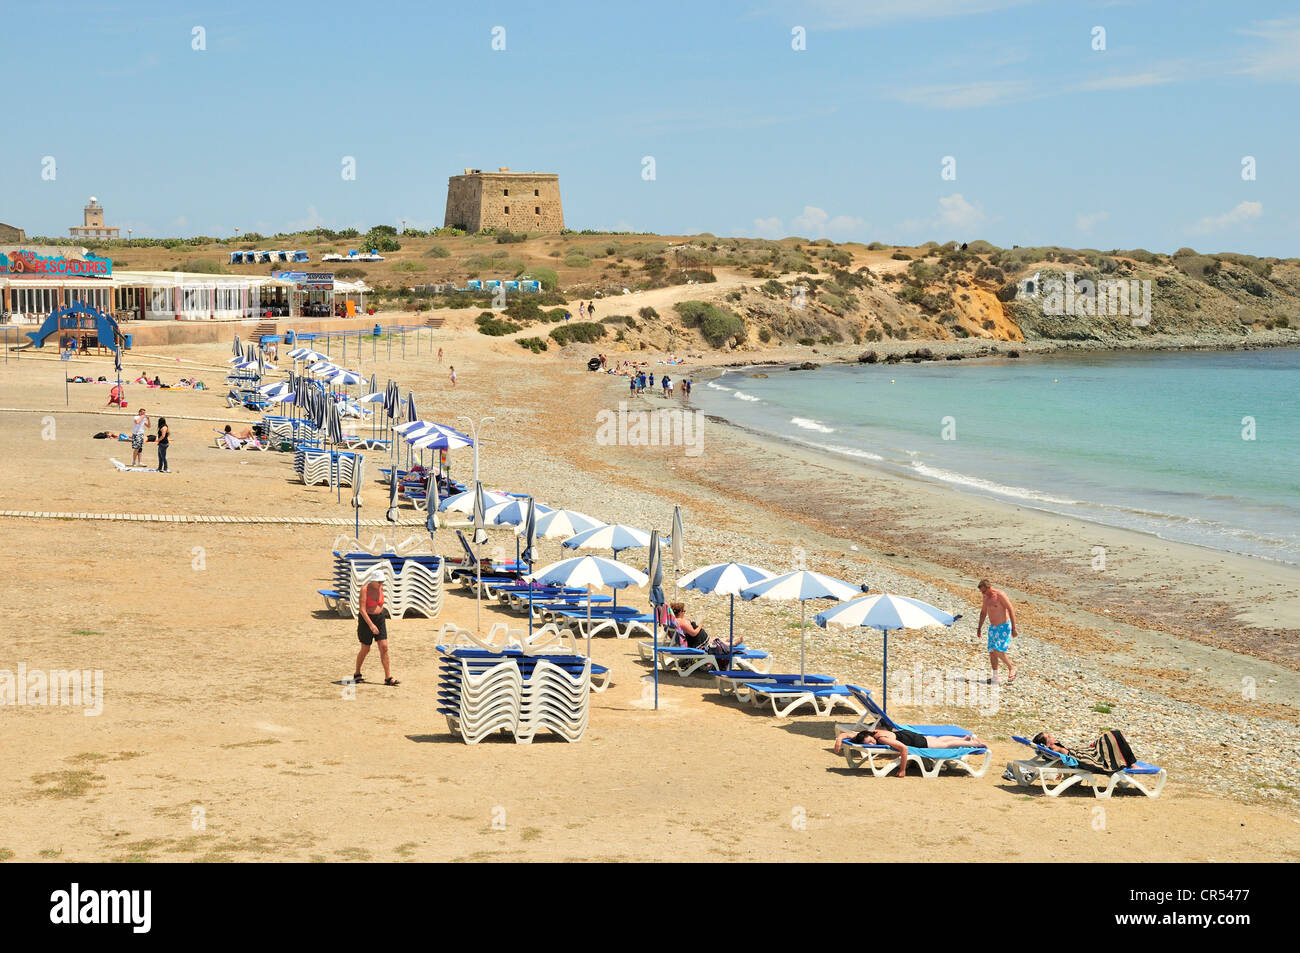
[{"x": 1001, "y": 616}]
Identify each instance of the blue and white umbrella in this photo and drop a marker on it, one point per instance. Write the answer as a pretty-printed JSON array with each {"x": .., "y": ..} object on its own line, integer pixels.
[
  {"x": 724, "y": 579},
  {"x": 343, "y": 377},
  {"x": 479, "y": 508},
  {"x": 802, "y": 585},
  {"x": 562, "y": 524},
  {"x": 464, "y": 502},
  {"x": 612, "y": 536},
  {"x": 884, "y": 612},
  {"x": 515, "y": 512},
  {"x": 589, "y": 572},
  {"x": 438, "y": 437}
]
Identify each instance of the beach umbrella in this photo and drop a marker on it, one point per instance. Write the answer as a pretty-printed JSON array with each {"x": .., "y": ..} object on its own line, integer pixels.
[
  {"x": 431, "y": 504},
  {"x": 677, "y": 538},
  {"x": 480, "y": 537},
  {"x": 356, "y": 492},
  {"x": 530, "y": 544},
  {"x": 724, "y": 579},
  {"x": 887, "y": 613},
  {"x": 464, "y": 502},
  {"x": 655, "y": 570},
  {"x": 515, "y": 512},
  {"x": 391, "y": 515},
  {"x": 235, "y": 349},
  {"x": 410, "y": 406},
  {"x": 802, "y": 585},
  {"x": 612, "y": 536},
  {"x": 343, "y": 377},
  {"x": 589, "y": 572},
  {"x": 559, "y": 524},
  {"x": 437, "y": 437}
]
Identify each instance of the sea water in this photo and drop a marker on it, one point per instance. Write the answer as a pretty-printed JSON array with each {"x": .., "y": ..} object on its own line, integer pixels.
[{"x": 1195, "y": 446}]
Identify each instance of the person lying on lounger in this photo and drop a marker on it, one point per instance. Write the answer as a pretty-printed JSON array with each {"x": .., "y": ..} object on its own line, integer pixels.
[
  {"x": 1106, "y": 755},
  {"x": 902, "y": 739}
]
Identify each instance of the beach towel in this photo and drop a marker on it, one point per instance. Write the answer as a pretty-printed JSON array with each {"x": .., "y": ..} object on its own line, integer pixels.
[
  {"x": 122, "y": 467},
  {"x": 1106, "y": 755}
]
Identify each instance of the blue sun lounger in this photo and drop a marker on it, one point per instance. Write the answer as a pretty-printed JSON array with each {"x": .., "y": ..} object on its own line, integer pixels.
[
  {"x": 732, "y": 681},
  {"x": 786, "y": 697},
  {"x": 686, "y": 661},
  {"x": 1056, "y": 772},
  {"x": 882, "y": 760}
]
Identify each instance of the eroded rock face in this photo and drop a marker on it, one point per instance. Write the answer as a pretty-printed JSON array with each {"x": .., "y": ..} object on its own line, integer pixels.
[{"x": 868, "y": 357}]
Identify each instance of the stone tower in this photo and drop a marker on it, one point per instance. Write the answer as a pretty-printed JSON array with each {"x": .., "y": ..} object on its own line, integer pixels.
[
  {"x": 518, "y": 201},
  {"x": 92, "y": 225}
]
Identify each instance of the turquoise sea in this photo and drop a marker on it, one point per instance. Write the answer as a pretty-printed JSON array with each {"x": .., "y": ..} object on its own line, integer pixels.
[{"x": 1196, "y": 446}]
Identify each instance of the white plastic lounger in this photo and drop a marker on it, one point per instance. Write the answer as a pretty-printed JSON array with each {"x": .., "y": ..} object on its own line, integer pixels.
[
  {"x": 1049, "y": 769},
  {"x": 789, "y": 697},
  {"x": 882, "y": 760}
]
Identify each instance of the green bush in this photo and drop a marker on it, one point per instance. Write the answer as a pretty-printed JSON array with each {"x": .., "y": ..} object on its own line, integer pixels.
[
  {"x": 585, "y": 332},
  {"x": 508, "y": 237},
  {"x": 764, "y": 335},
  {"x": 493, "y": 326},
  {"x": 536, "y": 345},
  {"x": 577, "y": 261},
  {"x": 648, "y": 313},
  {"x": 524, "y": 309},
  {"x": 717, "y": 325},
  {"x": 410, "y": 266},
  {"x": 901, "y": 256},
  {"x": 547, "y": 276},
  {"x": 350, "y": 273},
  {"x": 199, "y": 266}
]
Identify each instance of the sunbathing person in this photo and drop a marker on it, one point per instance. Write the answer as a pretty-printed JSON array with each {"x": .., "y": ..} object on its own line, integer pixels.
[
  {"x": 903, "y": 738},
  {"x": 1106, "y": 755}
]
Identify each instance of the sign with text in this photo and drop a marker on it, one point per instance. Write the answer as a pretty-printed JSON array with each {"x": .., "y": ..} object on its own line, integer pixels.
[{"x": 31, "y": 263}]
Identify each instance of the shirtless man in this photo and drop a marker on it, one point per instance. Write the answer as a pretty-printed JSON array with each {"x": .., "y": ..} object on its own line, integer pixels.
[{"x": 1001, "y": 615}]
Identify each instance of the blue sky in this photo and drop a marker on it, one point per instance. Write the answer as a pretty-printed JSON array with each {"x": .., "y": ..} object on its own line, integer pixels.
[{"x": 1140, "y": 144}]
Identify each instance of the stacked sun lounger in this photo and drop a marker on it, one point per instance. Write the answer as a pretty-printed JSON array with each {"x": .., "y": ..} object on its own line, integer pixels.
[
  {"x": 482, "y": 693},
  {"x": 324, "y": 466},
  {"x": 412, "y": 584}
]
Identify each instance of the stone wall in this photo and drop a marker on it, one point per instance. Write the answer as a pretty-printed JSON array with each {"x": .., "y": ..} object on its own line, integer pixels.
[
  {"x": 518, "y": 201},
  {"x": 8, "y": 233}
]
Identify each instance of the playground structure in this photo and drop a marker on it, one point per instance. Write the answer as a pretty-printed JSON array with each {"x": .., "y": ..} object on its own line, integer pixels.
[{"x": 79, "y": 326}]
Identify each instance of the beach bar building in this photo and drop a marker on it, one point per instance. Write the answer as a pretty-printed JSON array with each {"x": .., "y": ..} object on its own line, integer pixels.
[{"x": 33, "y": 285}]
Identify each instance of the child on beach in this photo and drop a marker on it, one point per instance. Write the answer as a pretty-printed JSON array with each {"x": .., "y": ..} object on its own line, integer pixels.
[{"x": 453, "y": 375}]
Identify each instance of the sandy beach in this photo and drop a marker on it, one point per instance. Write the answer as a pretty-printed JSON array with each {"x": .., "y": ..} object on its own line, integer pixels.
[{"x": 225, "y": 733}]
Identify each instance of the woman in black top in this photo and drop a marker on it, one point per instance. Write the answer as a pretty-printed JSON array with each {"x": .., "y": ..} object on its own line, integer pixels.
[
  {"x": 164, "y": 440},
  {"x": 900, "y": 739}
]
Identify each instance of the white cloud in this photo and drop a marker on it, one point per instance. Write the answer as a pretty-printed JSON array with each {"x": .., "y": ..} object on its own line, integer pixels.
[
  {"x": 1085, "y": 221},
  {"x": 956, "y": 212},
  {"x": 1129, "y": 81},
  {"x": 1241, "y": 213},
  {"x": 1278, "y": 60},
  {"x": 965, "y": 95},
  {"x": 816, "y": 223},
  {"x": 849, "y": 14},
  {"x": 769, "y": 228},
  {"x": 305, "y": 224}
]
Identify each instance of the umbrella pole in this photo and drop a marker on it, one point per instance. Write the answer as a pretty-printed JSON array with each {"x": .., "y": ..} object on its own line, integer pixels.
[
  {"x": 478, "y": 595},
  {"x": 803, "y": 612},
  {"x": 589, "y": 619},
  {"x": 655, "y": 658},
  {"x": 731, "y": 631},
  {"x": 884, "y": 683}
]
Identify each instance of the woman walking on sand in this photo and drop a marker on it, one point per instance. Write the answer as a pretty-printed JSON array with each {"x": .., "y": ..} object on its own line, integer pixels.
[
  {"x": 164, "y": 441},
  {"x": 371, "y": 628},
  {"x": 453, "y": 375},
  {"x": 439, "y": 355}
]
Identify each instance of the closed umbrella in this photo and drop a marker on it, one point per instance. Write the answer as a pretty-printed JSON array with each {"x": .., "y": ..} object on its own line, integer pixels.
[
  {"x": 391, "y": 515},
  {"x": 802, "y": 585},
  {"x": 887, "y": 613},
  {"x": 589, "y": 572},
  {"x": 356, "y": 493},
  {"x": 678, "y": 538},
  {"x": 655, "y": 570},
  {"x": 480, "y": 537},
  {"x": 530, "y": 544},
  {"x": 431, "y": 505}
]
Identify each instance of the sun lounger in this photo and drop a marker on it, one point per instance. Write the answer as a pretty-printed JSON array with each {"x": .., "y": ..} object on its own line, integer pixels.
[
  {"x": 882, "y": 760},
  {"x": 1052, "y": 772},
  {"x": 732, "y": 681},
  {"x": 791, "y": 696},
  {"x": 685, "y": 662}
]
